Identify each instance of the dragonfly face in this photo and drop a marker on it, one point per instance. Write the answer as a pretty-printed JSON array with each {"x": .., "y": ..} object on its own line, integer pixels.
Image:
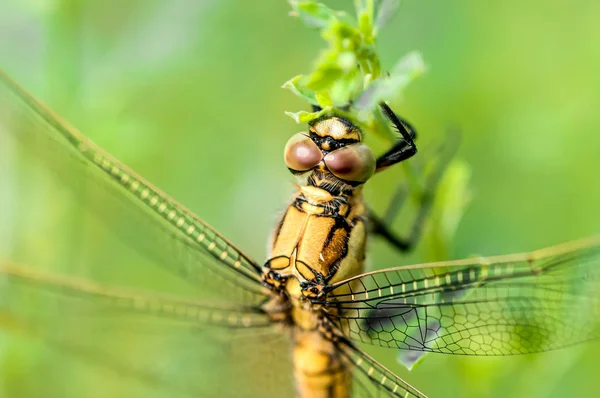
[{"x": 331, "y": 157}]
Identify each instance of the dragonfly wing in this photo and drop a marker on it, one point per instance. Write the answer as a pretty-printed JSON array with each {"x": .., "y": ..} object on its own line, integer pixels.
[
  {"x": 372, "y": 379},
  {"x": 147, "y": 219},
  {"x": 503, "y": 305},
  {"x": 161, "y": 345}
]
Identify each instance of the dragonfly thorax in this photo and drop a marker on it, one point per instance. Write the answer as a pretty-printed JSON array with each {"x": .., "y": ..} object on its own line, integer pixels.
[{"x": 320, "y": 239}]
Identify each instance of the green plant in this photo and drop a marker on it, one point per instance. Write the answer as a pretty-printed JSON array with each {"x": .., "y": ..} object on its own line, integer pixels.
[{"x": 348, "y": 73}]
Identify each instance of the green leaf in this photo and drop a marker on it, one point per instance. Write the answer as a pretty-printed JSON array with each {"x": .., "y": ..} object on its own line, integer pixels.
[
  {"x": 303, "y": 116},
  {"x": 324, "y": 99},
  {"x": 341, "y": 36},
  {"x": 324, "y": 77},
  {"x": 307, "y": 117},
  {"x": 344, "y": 89},
  {"x": 295, "y": 86},
  {"x": 405, "y": 71},
  {"x": 314, "y": 15},
  {"x": 364, "y": 14},
  {"x": 387, "y": 10}
]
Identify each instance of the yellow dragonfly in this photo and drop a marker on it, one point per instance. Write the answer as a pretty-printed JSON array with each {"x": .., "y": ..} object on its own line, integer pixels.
[{"x": 291, "y": 325}]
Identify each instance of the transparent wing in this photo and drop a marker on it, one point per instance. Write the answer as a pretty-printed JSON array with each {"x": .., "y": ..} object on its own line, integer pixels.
[
  {"x": 144, "y": 217},
  {"x": 372, "y": 379},
  {"x": 487, "y": 306},
  {"x": 165, "y": 345}
]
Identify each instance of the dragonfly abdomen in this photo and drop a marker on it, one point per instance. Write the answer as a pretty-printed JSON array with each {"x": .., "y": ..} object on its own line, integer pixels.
[{"x": 319, "y": 369}]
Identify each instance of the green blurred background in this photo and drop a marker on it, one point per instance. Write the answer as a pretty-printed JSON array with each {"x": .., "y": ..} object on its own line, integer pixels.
[{"x": 188, "y": 94}]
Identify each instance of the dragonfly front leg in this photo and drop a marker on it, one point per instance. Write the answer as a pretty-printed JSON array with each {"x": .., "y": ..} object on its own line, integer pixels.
[
  {"x": 382, "y": 225},
  {"x": 403, "y": 149}
]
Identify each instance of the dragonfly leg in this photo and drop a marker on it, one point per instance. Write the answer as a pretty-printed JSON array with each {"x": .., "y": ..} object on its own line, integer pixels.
[
  {"x": 403, "y": 149},
  {"x": 382, "y": 225}
]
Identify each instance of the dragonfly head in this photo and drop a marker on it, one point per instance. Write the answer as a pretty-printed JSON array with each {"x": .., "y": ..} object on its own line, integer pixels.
[{"x": 333, "y": 147}]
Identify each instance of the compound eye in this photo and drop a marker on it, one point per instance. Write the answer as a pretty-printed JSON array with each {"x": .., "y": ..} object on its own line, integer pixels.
[
  {"x": 301, "y": 153},
  {"x": 354, "y": 162}
]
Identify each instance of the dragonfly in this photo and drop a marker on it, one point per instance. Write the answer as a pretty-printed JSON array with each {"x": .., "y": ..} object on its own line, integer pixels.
[{"x": 297, "y": 323}]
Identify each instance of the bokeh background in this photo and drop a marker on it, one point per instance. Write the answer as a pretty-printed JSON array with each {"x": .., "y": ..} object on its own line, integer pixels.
[{"x": 188, "y": 94}]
